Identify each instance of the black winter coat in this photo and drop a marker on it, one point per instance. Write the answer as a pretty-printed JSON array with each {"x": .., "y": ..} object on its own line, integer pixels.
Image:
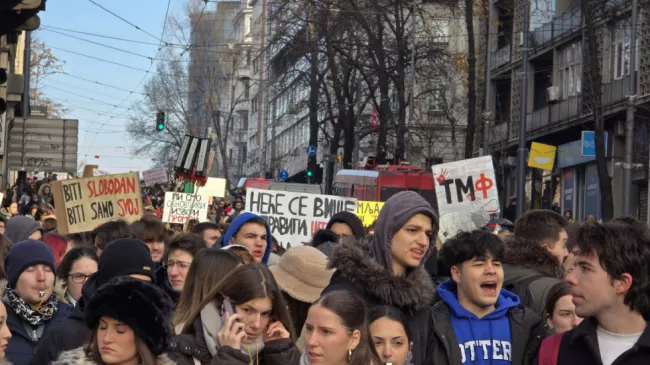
[
  {"x": 187, "y": 347},
  {"x": 21, "y": 345},
  {"x": 580, "y": 346},
  {"x": 67, "y": 335},
  {"x": 358, "y": 273},
  {"x": 527, "y": 332}
]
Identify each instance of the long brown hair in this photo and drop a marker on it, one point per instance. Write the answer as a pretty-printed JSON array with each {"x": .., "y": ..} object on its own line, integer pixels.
[
  {"x": 91, "y": 349},
  {"x": 208, "y": 268},
  {"x": 352, "y": 312},
  {"x": 242, "y": 285}
]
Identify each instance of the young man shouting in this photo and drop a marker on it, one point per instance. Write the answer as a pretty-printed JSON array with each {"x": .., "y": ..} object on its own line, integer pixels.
[{"x": 477, "y": 321}]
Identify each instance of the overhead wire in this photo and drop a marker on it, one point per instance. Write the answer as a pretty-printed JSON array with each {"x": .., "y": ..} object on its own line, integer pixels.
[
  {"x": 160, "y": 47},
  {"x": 127, "y": 22}
]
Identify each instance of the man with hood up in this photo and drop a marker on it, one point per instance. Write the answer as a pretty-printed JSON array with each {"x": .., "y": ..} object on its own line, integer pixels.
[
  {"x": 392, "y": 273},
  {"x": 21, "y": 228},
  {"x": 477, "y": 321},
  {"x": 252, "y": 231},
  {"x": 123, "y": 257}
]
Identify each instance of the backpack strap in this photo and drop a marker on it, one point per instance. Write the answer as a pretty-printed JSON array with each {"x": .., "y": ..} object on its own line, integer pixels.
[{"x": 550, "y": 350}]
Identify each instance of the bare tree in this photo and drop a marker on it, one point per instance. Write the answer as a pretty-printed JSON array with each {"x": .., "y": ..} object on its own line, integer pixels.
[
  {"x": 196, "y": 84},
  {"x": 43, "y": 64}
]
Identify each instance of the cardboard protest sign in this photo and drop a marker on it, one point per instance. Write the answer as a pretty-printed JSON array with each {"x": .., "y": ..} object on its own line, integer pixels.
[
  {"x": 181, "y": 207},
  {"x": 84, "y": 204},
  {"x": 213, "y": 187},
  {"x": 368, "y": 211},
  {"x": 466, "y": 186},
  {"x": 155, "y": 176},
  {"x": 295, "y": 217}
]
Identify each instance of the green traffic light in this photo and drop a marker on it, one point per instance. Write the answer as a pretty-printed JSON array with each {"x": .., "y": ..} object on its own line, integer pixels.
[
  {"x": 309, "y": 173},
  {"x": 160, "y": 126}
]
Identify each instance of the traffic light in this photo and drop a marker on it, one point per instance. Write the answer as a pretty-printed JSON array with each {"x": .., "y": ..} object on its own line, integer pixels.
[
  {"x": 20, "y": 15},
  {"x": 160, "y": 121},
  {"x": 310, "y": 173}
]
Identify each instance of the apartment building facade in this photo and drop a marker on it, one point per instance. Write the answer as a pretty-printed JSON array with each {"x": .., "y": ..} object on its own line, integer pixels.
[{"x": 556, "y": 113}]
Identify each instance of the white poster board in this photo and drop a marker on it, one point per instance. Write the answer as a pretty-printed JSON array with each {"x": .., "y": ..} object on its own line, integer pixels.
[
  {"x": 155, "y": 176},
  {"x": 181, "y": 207},
  {"x": 466, "y": 186},
  {"x": 214, "y": 187},
  {"x": 295, "y": 217}
]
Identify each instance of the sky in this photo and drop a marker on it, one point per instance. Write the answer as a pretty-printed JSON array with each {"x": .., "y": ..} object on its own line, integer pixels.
[{"x": 103, "y": 110}]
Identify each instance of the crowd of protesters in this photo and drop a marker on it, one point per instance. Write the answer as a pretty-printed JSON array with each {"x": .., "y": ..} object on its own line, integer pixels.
[{"x": 415, "y": 289}]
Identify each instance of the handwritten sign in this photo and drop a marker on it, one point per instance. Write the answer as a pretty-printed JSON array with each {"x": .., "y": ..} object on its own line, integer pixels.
[
  {"x": 181, "y": 207},
  {"x": 213, "y": 187},
  {"x": 368, "y": 211},
  {"x": 87, "y": 203},
  {"x": 295, "y": 217},
  {"x": 155, "y": 176},
  {"x": 466, "y": 186}
]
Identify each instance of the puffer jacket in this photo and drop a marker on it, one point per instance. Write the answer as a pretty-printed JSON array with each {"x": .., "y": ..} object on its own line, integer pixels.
[
  {"x": 78, "y": 357},
  {"x": 526, "y": 259},
  {"x": 358, "y": 273},
  {"x": 191, "y": 347}
]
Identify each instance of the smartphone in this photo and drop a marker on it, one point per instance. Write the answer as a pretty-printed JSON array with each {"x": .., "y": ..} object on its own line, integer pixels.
[{"x": 227, "y": 308}]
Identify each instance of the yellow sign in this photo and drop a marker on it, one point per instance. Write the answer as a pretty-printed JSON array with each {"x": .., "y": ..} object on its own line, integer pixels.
[
  {"x": 368, "y": 211},
  {"x": 542, "y": 156}
]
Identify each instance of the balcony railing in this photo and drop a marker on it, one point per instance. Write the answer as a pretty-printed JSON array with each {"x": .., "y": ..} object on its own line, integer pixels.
[
  {"x": 501, "y": 57},
  {"x": 566, "y": 23},
  {"x": 561, "y": 112}
]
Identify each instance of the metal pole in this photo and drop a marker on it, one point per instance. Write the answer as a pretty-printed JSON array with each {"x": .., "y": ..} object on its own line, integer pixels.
[
  {"x": 26, "y": 72},
  {"x": 488, "y": 84},
  {"x": 521, "y": 152},
  {"x": 409, "y": 142},
  {"x": 629, "y": 124}
]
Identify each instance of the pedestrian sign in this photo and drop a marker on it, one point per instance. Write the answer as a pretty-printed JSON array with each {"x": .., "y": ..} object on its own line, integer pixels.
[
  {"x": 311, "y": 151},
  {"x": 284, "y": 174}
]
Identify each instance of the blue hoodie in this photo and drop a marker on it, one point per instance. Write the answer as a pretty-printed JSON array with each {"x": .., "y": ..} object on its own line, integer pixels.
[
  {"x": 484, "y": 340},
  {"x": 242, "y": 219}
]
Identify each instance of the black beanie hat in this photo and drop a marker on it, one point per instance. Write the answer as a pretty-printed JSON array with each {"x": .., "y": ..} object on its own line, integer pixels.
[
  {"x": 25, "y": 254},
  {"x": 351, "y": 220},
  {"x": 144, "y": 307},
  {"x": 126, "y": 256}
]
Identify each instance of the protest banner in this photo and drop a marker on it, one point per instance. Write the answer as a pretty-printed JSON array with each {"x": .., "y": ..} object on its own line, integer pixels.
[
  {"x": 213, "y": 187},
  {"x": 181, "y": 207},
  {"x": 155, "y": 176},
  {"x": 368, "y": 211},
  {"x": 295, "y": 217},
  {"x": 83, "y": 204},
  {"x": 466, "y": 186}
]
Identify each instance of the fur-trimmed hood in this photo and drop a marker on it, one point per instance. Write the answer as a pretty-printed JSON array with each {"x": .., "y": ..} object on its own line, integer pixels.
[
  {"x": 61, "y": 291},
  {"x": 353, "y": 263},
  {"x": 78, "y": 357},
  {"x": 530, "y": 255}
]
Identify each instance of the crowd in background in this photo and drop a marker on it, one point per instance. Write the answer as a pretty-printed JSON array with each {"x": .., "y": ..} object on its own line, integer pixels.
[{"x": 413, "y": 289}]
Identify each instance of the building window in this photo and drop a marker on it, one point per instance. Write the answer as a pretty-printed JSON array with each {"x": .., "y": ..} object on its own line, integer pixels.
[
  {"x": 441, "y": 31},
  {"x": 247, "y": 89},
  {"x": 571, "y": 70},
  {"x": 254, "y": 105},
  {"x": 621, "y": 46},
  {"x": 244, "y": 120},
  {"x": 436, "y": 99},
  {"x": 256, "y": 65}
]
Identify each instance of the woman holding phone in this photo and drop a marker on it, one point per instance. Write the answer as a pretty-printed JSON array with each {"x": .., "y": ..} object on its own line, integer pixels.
[{"x": 244, "y": 320}]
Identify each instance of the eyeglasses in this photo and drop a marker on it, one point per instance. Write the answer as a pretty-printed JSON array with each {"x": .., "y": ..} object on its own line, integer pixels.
[
  {"x": 181, "y": 265},
  {"x": 79, "y": 278}
]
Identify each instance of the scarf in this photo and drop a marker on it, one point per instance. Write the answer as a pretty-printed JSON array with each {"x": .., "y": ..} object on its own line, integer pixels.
[{"x": 33, "y": 316}]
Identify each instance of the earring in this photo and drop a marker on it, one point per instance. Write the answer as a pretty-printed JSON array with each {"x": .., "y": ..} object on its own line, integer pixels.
[{"x": 349, "y": 355}]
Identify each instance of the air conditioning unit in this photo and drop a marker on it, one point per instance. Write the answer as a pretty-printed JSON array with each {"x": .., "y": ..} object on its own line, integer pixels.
[{"x": 553, "y": 94}]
